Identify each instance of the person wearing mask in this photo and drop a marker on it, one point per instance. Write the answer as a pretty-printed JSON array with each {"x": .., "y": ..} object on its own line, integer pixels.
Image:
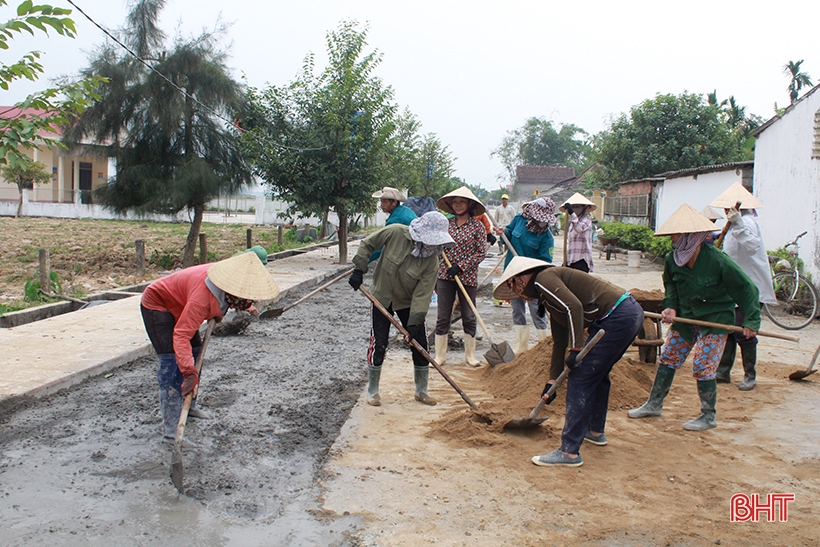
[
  {"x": 701, "y": 283},
  {"x": 390, "y": 201},
  {"x": 503, "y": 216},
  {"x": 470, "y": 238},
  {"x": 174, "y": 307},
  {"x": 403, "y": 283},
  {"x": 578, "y": 232},
  {"x": 744, "y": 243},
  {"x": 530, "y": 236}
]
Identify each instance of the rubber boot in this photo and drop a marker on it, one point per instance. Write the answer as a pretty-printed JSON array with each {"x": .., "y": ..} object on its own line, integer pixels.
[
  {"x": 374, "y": 374},
  {"x": 522, "y": 338},
  {"x": 723, "y": 374},
  {"x": 170, "y": 397},
  {"x": 660, "y": 389},
  {"x": 469, "y": 351},
  {"x": 707, "y": 390},
  {"x": 749, "y": 355},
  {"x": 441, "y": 348},
  {"x": 541, "y": 334},
  {"x": 420, "y": 375}
]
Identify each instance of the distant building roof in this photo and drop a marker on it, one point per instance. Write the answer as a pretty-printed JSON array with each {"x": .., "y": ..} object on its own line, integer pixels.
[
  {"x": 705, "y": 169},
  {"x": 541, "y": 174},
  {"x": 13, "y": 112}
]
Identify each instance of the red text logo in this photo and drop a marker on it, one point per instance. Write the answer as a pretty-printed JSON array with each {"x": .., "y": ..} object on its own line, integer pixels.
[{"x": 775, "y": 508}]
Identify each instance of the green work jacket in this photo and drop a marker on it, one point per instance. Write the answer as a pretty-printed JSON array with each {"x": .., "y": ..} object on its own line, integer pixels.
[
  {"x": 709, "y": 292},
  {"x": 400, "y": 279}
]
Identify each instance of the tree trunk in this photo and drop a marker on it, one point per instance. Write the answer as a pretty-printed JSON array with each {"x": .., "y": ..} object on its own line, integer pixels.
[
  {"x": 342, "y": 238},
  {"x": 19, "y": 205},
  {"x": 193, "y": 236}
]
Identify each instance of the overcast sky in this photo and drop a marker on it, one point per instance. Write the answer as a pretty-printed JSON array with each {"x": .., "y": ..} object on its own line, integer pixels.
[{"x": 472, "y": 70}]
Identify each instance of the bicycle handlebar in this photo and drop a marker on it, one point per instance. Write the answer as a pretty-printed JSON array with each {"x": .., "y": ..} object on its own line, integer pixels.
[{"x": 794, "y": 242}]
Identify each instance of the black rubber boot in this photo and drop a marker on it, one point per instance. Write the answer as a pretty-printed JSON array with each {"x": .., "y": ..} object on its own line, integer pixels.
[
  {"x": 707, "y": 391},
  {"x": 660, "y": 389},
  {"x": 727, "y": 361},
  {"x": 749, "y": 355},
  {"x": 374, "y": 374}
]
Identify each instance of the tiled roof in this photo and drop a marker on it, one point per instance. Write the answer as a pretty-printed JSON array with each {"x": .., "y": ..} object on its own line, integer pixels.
[
  {"x": 543, "y": 173},
  {"x": 13, "y": 112},
  {"x": 706, "y": 169}
]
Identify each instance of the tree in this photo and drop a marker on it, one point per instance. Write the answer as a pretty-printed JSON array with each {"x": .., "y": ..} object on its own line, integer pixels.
[
  {"x": 322, "y": 143},
  {"x": 537, "y": 142},
  {"x": 25, "y": 173},
  {"x": 666, "y": 133},
  {"x": 169, "y": 127},
  {"x": 41, "y": 113},
  {"x": 797, "y": 79}
]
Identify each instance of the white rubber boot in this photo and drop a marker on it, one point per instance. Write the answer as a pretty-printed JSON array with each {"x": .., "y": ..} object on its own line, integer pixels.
[
  {"x": 522, "y": 338},
  {"x": 441, "y": 349},
  {"x": 541, "y": 333},
  {"x": 469, "y": 351}
]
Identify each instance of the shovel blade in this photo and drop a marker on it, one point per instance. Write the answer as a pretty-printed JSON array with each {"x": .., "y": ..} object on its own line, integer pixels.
[
  {"x": 176, "y": 467},
  {"x": 271, "y": 313},
  {"x": 499, "y": 353},
  {"x": 525, "y": 423},
  {"x": 800, "y": 374}
]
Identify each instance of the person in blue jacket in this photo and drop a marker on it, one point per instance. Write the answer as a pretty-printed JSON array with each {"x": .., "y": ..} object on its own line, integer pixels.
[
  {"x": 530, "y": 235},
  {"x": 390, "y": 200}
]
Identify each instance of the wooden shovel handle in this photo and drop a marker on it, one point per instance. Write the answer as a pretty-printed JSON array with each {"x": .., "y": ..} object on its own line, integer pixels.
[
  {"x": 319, "y": 289},
  {"x": 468, "y": 299},
  {"x": 733, "y": 328},
  {"x": 186, "y": 406}
]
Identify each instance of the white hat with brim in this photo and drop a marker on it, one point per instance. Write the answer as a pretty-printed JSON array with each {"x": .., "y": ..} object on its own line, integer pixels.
[
  {"x": 445, "y": 202},
  {"x": 685, "y": 221},
  {"x": 710, "y": 213},
  {"x": 390, "y": 193},
  {"x": 244, "y": 276},
  {"x": 431, "y": 228},
  {"x": 517, "y": 266},
  {"x": 732, "y": 195},
  {"x": 579, "y": 199}
]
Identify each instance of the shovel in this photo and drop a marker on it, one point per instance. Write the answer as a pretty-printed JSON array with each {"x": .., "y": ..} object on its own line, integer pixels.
[
  {"x": 733, "y": 328},
  {"x": 800, "y": 374},
  {"x": 276, "y": 312},
  {"x": 176, "y": 455},
  {"x": 533, "y": 420},
  {"x": 498, "y": 353},
  {"x": 417, "y": 346}
]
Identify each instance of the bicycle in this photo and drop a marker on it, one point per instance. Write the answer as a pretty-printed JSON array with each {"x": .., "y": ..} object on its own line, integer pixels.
[{"x": 797, "y": 299}]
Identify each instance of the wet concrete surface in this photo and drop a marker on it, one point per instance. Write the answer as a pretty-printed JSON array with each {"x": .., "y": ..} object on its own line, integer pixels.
[{"x": 87, "y": 465}]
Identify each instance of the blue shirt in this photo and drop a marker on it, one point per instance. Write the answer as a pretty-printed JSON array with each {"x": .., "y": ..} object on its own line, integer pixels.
[{"x": 527, "y": 243}]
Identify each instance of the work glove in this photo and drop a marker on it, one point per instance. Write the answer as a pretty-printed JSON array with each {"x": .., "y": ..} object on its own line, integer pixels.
[
  {"x": 542, "y": 311},
  {"x": 551, "y": 397},
  {"x": 454, "y": 270},
  {"x": 491, "y": 239},
  {"x": 572, "y": 359},
  {"x": 733, "y": 216},
  {"x": 189, "y": 382},
  {"x": 356, "y": 279},
  {"x": 568, "y": 208},
  {"x": 413, "y": 331}
]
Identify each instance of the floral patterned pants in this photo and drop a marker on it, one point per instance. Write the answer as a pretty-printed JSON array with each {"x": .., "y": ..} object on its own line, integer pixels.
[{"x": 708, "y": 351}]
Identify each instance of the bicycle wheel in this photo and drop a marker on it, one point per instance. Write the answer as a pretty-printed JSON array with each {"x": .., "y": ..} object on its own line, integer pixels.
[{"x": 796, "y": 306}]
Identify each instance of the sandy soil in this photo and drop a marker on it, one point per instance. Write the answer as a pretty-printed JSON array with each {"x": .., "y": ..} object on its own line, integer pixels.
[{"x": 296, "y": 457}]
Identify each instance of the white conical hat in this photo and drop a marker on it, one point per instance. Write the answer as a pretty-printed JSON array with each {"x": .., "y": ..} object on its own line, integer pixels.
[
  {"x": 685, "y": 221},
  {"x": 445, "y": 201},
  {"x": 579, "y": 199},
  {"x": 244, "y": 276},
  {"x": 732, "y": 195},
  {"x": 710, "y": 213},
  {"x": 517, "y": 266}
]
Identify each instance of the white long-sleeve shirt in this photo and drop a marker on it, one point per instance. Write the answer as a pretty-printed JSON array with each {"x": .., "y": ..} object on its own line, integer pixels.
[{"x": 744, "y": 243}]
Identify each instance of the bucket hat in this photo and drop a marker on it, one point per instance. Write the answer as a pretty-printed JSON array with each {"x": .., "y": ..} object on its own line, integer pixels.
[
  {"x": 517, "y": 266},
  {"x": 244, "y": 276},
  {"x": 710, "y": 213},
  {"x": 260, "y": 252},
  {"x": 431, "y": 228},
  {"x": 389, "y": 193},
  {"x": 579, "y": 199},
  {"x": 685, "y": 221},
  {"x": 732, "y": 195},
  {"x": 445, "y": 202}
]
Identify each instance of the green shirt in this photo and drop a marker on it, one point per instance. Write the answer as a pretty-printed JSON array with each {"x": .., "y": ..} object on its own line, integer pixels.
[
  {"x": 400, "y": 279},
  {"x": 709, "y": 292}
]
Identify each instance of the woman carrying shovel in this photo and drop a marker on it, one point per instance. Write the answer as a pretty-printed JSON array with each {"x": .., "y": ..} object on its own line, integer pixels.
[
  {"x": 577, "y": 300},
  {"x": 704, "y": 284}
]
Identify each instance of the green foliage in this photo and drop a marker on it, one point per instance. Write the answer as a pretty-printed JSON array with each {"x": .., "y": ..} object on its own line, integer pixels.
[
  {"x": 54, "y": 107},
  {"x": 638, "y": 238},
  {"x": 31, "y": 289},
  {"x": 25, "y": 174},
  {"x": 164, "y": 260},
  {"x": 663, "y": 134},
  {"x": 797, "y": 79},
  {"x": 783, "y": 253}
]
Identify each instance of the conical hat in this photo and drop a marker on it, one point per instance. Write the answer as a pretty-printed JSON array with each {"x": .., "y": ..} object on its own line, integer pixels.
[
  {"x": 732, "y": 195},
  {"x": 517, "y": 266},
  {"x": 579, "y": 199},
  {"x": 710, "y": 213},
  {"x": 444, "y": 202},
  {"x": 244, "y": 276},
  {"x": 685, "y": 221}
]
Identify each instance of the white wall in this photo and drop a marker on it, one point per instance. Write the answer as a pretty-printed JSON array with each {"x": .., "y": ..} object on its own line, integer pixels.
[
  {"x": 267, "y": 212},
  {"x": 697, "y": 192},
  {"x": 787, "y": 182}
]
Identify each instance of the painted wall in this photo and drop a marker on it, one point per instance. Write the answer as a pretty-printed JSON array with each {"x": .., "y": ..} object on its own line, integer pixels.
[
  {"x": 697, "y": 191},
  {"x": 787, "y": 181}
]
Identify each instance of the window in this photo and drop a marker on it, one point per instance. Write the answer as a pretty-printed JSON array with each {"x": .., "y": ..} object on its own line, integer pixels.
[
  {"x": 815, "y": 149},
  {"x": 628, "y": 206}
]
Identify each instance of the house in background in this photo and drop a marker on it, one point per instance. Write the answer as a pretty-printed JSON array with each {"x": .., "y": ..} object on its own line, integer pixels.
[
  {"x": 532, "y": 181},
  {"x": 634, "y": 203},
  {"x": 787, "y": 178}
]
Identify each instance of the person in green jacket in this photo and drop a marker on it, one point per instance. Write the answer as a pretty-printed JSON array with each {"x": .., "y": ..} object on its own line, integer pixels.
[
  {"x": 403, "y": 283},
  {"x": 701, "y": 283}
]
